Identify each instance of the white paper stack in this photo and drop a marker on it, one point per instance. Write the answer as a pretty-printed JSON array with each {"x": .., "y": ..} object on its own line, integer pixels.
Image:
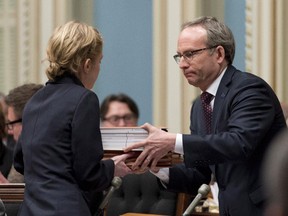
[
  {"x": 118, "y": 138},
  {"x": 115, "y": 139}
]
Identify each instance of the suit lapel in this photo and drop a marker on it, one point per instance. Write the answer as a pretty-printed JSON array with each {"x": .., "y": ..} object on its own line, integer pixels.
[{"x": 221, "y": 95}]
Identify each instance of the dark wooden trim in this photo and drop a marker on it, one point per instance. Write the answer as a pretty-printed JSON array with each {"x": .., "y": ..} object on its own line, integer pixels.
[
  {"x": 204, "y": 214},
  {"x": 12, "y": 192}
]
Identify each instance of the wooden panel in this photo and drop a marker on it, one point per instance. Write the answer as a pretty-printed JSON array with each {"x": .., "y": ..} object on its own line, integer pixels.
[
  {"x": 204, "y": 214},
  {"x": 12, "y": 192}
]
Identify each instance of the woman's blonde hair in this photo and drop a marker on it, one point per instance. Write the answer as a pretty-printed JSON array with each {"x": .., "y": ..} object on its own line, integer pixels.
[{"x": 69, "y": 46}]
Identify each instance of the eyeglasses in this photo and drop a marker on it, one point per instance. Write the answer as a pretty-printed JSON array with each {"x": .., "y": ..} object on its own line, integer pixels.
[
  {"x": 115, "y": 119},
  {"x": 189, "y": 55},
  {"x": 10, "y": 124}
]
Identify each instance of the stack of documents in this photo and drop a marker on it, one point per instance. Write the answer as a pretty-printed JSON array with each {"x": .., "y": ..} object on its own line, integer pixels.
[
  {"x": 118, "y": 138},
  {"x": 115, "y": 139}
]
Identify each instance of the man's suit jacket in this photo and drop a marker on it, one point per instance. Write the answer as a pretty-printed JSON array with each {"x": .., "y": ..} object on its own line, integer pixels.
[
  {"x": 246, "y": 117},
  {"x": 62, "y": 150}
]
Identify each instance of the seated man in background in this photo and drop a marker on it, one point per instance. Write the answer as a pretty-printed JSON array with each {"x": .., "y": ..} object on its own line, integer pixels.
[
  {"x": 139, "y": 193},
  {"x": 16, "y": 100}
]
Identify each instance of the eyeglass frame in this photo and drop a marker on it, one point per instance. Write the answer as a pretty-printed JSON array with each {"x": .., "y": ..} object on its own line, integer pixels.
[
  {"x": 177, "y": 57},
  {"x": 10, "y": 124},
  {"x": 130, "y": 117}
]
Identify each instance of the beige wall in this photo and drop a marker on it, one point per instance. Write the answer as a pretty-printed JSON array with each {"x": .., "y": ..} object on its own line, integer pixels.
[{"x": 25, "y": 27}]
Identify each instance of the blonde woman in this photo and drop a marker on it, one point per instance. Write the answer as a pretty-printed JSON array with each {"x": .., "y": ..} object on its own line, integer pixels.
[{"x": 60, "y": 148}]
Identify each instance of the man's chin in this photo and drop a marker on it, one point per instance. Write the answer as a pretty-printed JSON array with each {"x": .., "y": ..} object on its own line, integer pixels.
[{"x": 192, "y": 82}]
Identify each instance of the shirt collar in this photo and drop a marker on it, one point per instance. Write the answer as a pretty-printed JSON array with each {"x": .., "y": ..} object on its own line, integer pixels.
[{"x": 212, "y": 89}]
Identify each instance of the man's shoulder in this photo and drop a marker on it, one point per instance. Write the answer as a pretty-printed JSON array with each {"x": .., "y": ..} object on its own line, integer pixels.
[
  {"x": 239, "y": 78},
  {"x": 238, "y": 74}
]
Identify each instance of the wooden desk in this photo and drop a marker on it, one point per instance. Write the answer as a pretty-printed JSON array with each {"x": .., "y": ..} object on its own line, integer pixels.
[
  {"x": 12, "y": 192},
  {"x": 139, "y": 214},
  {"x": 204, "y": 214},
  {"x": 193, "y": 214}
]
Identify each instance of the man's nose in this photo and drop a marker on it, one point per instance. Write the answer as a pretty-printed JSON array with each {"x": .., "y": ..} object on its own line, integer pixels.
[
  {"x": 122, "y": 123},
  {"x": 10, "y": 131},
  {"x": 183, "y": 63}
]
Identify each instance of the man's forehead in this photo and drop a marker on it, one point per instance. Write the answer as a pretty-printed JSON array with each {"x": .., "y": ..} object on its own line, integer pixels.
[
  {"x": 193, "y": 32},
  {"x": 10, "y": 111},
  {"x": 189, "y": 41},
  {"x": 118, "y": 107}
]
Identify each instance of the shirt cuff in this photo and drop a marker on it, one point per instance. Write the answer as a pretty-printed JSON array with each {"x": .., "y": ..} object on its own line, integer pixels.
[
  {"x": 163, "y": 175},
  {"x": 179, "y": 144}
]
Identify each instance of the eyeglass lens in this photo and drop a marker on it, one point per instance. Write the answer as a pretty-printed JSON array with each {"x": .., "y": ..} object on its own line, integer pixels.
[{"x": 11, "y": 123}]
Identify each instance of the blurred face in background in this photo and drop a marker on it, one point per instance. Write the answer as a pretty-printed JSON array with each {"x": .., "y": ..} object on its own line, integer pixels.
[
  {"x": 119, "y": 115},
  {"x": 14, "y": 124}
]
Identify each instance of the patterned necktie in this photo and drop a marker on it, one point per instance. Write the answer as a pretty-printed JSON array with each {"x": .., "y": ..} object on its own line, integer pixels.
[{"x": 206, "y": 99}]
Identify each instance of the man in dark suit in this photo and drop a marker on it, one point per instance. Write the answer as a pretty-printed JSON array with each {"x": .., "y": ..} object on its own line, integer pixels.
[{"x": 246, "y": 115}]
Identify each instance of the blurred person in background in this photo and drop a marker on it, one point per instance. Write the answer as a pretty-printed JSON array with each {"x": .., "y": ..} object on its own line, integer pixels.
[
  {"x": 275, "y": 175},
  {"x": 16, "y": 101},
  {"x": 119, "y": 110}
]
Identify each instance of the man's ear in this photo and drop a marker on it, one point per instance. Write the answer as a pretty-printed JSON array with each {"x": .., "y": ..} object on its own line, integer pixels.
[
  {"x": 220, "y": 53},
  {"x": 87, "y": 65}
]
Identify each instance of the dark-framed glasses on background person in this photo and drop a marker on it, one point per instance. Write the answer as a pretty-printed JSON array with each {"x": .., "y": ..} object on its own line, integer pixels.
[
  {"x": 10, "y": 124},
  {"x": 115, "y": 119},
  {"x": 189, "y": 55}
]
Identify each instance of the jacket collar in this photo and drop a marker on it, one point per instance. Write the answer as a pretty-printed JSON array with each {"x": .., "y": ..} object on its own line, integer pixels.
[
  {"x": 66, "y": 78},
  {"x": 222, "y": 92}
]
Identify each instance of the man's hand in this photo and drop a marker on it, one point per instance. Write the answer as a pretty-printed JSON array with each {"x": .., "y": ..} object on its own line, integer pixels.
[{"x": 156, "y": 146}]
